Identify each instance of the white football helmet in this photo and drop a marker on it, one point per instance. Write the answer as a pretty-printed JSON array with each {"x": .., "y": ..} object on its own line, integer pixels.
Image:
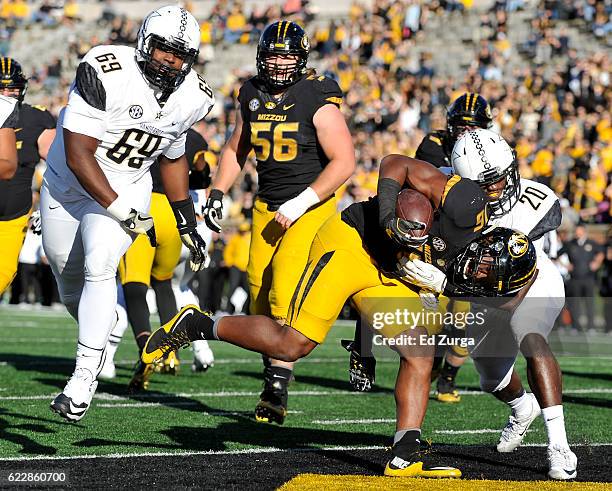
[
  {"x": 171, "y": 29},
  {"x": 486, "y": 158}
]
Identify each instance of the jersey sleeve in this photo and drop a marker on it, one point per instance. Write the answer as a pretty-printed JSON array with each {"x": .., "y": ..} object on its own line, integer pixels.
[
  {"x": 86, "y": 110},
  {"x": 9, "y": 112},
  {"x": 464, "y": 211},
  {"x": 176, "y": 148},
  {"x": 45, "y": 118},
  {"x": 431, "y": 150},
  {"x": 324, "y": 91},
  {"x": 195, "y": 145}
]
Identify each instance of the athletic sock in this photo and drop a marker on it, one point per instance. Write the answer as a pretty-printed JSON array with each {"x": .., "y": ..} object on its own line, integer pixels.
[
  {"x": 166, "y": 301},
  {"x": 555, "y": 425},
  {"x": 522, "y": 405},
  {"x": 138, "y": 311},
  {"x": 449, "y": 372}
]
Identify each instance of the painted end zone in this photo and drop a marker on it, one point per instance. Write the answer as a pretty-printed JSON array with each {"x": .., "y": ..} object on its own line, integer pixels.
[{"x": 316, "y": 482}]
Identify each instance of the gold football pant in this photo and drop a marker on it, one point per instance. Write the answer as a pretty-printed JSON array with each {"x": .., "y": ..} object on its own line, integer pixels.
[
  {"x": 278, "y": 257},
  {"x": 338, "y": 268},
  {"x": 142, "y": 261},
  {"x": 12, "y": 235}
]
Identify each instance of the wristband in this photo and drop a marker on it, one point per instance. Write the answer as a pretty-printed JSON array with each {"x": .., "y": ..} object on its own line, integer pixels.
[
  {"x": 184, "y": 214},
  {"x": 308, "y": 198}
]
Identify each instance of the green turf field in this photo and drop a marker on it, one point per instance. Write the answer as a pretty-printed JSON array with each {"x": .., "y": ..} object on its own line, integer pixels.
[{"x": 213, "y": 411}]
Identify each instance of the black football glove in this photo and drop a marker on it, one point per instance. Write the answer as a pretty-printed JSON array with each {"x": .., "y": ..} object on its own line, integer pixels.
[
  {"x": 185, "y": 216},
  {"x": 212, "y": 211},
  {"x": 362, "y": 370},
  {"x": 400, "y": 231},
  {"x": 141, "y": 223}
]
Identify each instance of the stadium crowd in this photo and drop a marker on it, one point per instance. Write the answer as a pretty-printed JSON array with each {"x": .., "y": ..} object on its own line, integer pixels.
[{"x": 554, "y": 109}]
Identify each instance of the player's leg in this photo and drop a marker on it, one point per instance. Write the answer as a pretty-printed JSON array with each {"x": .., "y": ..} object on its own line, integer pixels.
[
  {"x": 531, "y": 324},
  {"x": 413, "y": 379},
  {"x": 362, "y": 364},
  {"x": 446, "y": 390},
  {"x": 288, "y": 263},
  {"x": 12, "y": 235},
  {"x": 108, "y": 370}
]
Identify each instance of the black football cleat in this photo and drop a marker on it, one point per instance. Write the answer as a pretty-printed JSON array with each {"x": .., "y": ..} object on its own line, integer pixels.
[
  {"x": 272, "y": 405},
  {"x": 141, "y": 378},
  {"x": 446, "y": 391}
]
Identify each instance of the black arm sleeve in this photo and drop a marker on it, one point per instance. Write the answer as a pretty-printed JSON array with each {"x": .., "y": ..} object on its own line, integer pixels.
[
  {"x": 388, "y": 190},
  {"x": 90, "y": 87},
  {"x": 184, "y": 213},
  {"x": 550, "y": 221}
]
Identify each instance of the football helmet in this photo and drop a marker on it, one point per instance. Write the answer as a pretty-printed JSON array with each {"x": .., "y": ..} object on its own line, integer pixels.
[
  {"x": 497, "y": 264},
  {"x": 468, "y": 110},
  {"x": 282, "y": 38},
  {"x": 174, "y": 30},
  {"x": 486, "y": 158},
  {"x": 12, "y": 77}
]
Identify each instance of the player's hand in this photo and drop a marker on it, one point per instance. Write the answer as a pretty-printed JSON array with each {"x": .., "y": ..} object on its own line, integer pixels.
[
  {"x": 140, "y": 223},
  {"x": 422, "y": 274},
  {"x": 35, "y": 223},
  {"x": 198, "y": 252},
  {"x": 293, "y": 209},
  {"x": 429, "y": 300},
  {"x": 212, "y": 211},
  {"x": 400, "y": 230}
]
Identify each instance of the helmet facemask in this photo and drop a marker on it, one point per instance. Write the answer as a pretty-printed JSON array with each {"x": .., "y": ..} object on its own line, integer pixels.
[
  {"x": 279, "y": 75},
  {"x": 510, "y": 193},
  {"x": 160, "y": 75}
]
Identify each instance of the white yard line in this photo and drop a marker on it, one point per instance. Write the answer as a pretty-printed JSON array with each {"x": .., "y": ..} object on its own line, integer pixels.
[
  {"x": 247, "y": 451},
  {"x": 352, "y": 421},
  {"x": 111, "y": 397}
]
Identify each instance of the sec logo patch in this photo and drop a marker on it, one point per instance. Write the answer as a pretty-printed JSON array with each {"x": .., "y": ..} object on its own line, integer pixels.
[
  {"x": 254, "y": 104},
  {"x": 135, "y": 111}
]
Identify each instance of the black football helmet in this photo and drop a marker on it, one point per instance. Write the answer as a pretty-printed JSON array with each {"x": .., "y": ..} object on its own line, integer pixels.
[
  {"x": 282, "y": 38},
  {"x": 469, "y": 110},
  {"x": 12, "y": 77},
  {"x": 497, "y": 264}
]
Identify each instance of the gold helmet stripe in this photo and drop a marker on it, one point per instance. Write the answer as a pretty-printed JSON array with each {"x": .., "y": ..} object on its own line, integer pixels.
[
  {"x": 474, "y": 102},
  {"x": 280, "y": 24},
  {"x": 467, "y": 100},
  {"x": 2, "y": 60},
  {"x": 285, "y": 31}
]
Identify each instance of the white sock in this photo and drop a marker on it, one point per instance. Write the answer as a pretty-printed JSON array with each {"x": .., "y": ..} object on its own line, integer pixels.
[
  {"x": 521, "y": 406},
  {"x": 117, "y": 333},
  {"x": 97, "y": 317},
  {"x": 555, "y": 426}
]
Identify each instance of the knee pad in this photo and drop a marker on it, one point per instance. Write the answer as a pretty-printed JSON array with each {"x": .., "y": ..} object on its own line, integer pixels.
[{"x": 99, "y": 266}]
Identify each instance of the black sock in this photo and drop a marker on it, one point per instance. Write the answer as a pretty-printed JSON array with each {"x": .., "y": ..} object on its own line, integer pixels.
[
  {"x": 408, "y": 444},
  {"x": 166, "y": 302},
  {"x": 138, "y": 311},
  {"x": 200, "y": 326},
  {"x": 280, "y": 374},
  {"x": 449, "y": 372}
]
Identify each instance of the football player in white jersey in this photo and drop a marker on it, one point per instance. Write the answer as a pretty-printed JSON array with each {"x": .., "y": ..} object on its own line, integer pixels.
[
  {"x": 8, "y": 142},
  {"x": 126, "y": 108},
  {"x": 533, "y": 209}
]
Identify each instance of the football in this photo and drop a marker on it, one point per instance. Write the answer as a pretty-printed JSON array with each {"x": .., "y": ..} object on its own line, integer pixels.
[{"x": 412, "y": 205}]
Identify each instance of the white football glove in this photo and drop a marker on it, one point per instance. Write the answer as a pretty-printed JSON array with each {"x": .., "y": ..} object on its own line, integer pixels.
[
  {"x": 429, "y": 300},
  {"x": 422, "y": 274},
  {"x": 132, "y": 220},
  {"x": 212, "y": 211},
  {"x": 296, "y": 207},
  {"x": 35, "y": 222}
]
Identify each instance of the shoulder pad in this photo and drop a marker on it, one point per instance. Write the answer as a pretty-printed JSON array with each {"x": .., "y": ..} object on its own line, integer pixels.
[{"x": 324, "y": 84}]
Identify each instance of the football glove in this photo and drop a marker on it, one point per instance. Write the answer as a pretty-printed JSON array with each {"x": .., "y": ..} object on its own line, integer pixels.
[
  {"x": 35, "y": 223},
  {"x": 399, "y": 230},
  {"x": 429, "y": 300},
  {"x": 422, "y": 274},
  {"x": 141, "y": 223},
  {"x": 362, "y": 370},
  {"x": 184, "y": 214},
  {"x": 133, "y": 220},
  {"x": 212, "y": 211}
]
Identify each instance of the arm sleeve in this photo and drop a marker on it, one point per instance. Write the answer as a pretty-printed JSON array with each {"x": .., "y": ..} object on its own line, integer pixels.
[{"x": 86, "y": 109}]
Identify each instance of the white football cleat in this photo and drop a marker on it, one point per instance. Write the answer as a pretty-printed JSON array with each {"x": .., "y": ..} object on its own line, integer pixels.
[
  {"x": 562, "y": 463},
  {"x": 75, "y": 399},
  {"x": 515, "y": 430},
  {"x": 203, "y": 357}
]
